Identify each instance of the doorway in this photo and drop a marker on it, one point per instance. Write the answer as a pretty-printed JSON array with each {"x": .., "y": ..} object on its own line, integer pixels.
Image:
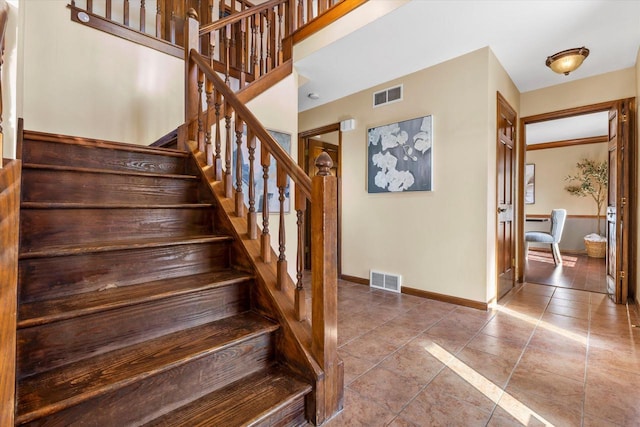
[
  {"x": 311, "y": 144},
  {"x": 617, "y": 143}
]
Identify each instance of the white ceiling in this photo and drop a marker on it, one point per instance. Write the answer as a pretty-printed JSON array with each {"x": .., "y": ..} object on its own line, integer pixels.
[{"x": 521, "y": 33}]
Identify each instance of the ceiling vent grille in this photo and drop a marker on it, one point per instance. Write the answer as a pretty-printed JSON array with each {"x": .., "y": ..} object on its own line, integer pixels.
[
  {"x": 387, "y": 96},
  {"x": 385, "y": 281}
]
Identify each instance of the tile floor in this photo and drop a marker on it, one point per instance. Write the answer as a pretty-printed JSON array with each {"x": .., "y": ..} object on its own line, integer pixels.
[
  {"x": 544, "y": 356},
  {"x": 576, "y": 272}
]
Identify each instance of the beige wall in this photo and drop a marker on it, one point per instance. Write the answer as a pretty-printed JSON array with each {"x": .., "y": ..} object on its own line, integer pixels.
[
  {"x": 552, "y": 166},
  {"x": 10, "y": 70},
  {"x": 81, "y": 81},
  {"x": 277, "y": 109},
  {"x": 591, "y": 90},
  {"x": 438, "y": 241}
]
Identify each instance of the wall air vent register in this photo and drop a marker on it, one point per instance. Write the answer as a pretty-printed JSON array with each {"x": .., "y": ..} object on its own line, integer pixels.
[{"x": 387, "y": 96}]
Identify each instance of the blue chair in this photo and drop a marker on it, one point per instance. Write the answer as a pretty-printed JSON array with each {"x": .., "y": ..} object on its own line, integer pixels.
[{"x": 553, "y": 237}]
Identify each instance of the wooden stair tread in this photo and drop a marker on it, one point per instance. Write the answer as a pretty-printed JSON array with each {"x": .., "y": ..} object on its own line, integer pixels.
[
  {"x": 59, "y": 205},
  {"x": 247, "y": 401},
  {"x": 59, "y": 388},
  {"x": 51, "y": 310},
  {"x": 65, "y": 250},
  {"x": 106, "y": 171},
  {"x": 100, "y": 143}
]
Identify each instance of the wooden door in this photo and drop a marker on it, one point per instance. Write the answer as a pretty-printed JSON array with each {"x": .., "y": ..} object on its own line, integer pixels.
[
  {"x": 505, "y": 166},
  {"x": 310, "y": 144},
  {"x": 618, "y": 217}
]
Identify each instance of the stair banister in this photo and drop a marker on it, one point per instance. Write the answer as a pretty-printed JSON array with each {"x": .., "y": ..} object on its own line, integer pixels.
[{"x": 320, "y": 340}]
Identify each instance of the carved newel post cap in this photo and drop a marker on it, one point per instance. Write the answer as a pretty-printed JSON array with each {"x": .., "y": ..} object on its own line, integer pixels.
[
  {"x": 324, "y": 164},
  {"x": 192, "y": 13}
]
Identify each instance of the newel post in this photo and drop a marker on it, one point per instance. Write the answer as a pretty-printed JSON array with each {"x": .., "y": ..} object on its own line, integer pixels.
[
  {"x": 191, "y": 101},
  {"x": 324, "y": 275}
]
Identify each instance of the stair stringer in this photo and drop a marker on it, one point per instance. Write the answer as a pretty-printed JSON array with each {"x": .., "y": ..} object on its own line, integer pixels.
[{"x": 294, "y": 338}]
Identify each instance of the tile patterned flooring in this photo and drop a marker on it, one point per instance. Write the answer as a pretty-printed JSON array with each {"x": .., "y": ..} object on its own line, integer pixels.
[
  {"x": 576, "y": 271},
  {"x": 544, "y": 356}
]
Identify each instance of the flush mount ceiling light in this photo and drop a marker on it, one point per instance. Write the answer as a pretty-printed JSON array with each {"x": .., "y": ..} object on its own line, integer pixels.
[
  {"x": 568, "y": 60},
  {"x": 313, "y": 95}
]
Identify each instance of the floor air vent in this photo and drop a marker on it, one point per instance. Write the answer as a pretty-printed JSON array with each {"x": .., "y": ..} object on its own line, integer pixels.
[{"x": 386, "y": 281}]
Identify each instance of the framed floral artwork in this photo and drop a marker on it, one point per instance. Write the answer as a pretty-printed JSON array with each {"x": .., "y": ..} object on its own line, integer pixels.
[{"x": 400, "y": 156}]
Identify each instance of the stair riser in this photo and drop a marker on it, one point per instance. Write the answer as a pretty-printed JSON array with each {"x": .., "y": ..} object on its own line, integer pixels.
[
  {"x": 45, "y": 185},
  {"x": 43, "y": 228},
  {"x": 161, "y": 393},
  {"x": 45, "y": 278},
  {"x": 87, "y": 156},
  {"x": 41, "y": 348},
  {"x": 292, "y": 415}
]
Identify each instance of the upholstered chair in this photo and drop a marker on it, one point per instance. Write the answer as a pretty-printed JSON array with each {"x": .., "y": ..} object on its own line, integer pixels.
[{"x": 553, "y": 237}]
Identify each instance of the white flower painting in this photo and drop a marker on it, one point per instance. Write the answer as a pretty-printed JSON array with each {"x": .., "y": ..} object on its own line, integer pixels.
[{"x": 400, "y": 156}]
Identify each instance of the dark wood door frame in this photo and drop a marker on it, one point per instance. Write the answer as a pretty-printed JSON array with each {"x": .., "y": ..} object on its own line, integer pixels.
[
  {"x": 627, "y": 120},
  {"x": 303, "y": 150}
]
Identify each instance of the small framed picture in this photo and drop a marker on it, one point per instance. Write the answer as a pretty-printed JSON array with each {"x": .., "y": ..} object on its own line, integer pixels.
[{"x": 530, "y": 184}]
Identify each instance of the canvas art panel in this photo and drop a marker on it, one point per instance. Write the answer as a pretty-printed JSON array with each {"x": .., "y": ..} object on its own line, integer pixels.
[
  {"x": 284, "y": 139},
  {"x": 400, "y": 156}
]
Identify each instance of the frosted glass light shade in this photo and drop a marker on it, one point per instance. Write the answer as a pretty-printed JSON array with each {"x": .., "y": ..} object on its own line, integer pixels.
[{"x": 568, "y": 60}]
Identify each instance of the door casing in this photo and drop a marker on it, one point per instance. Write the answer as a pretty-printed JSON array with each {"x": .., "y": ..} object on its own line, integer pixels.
[
  {"x": 303, "y": 147},
  {"x": 631, "y": 188}
]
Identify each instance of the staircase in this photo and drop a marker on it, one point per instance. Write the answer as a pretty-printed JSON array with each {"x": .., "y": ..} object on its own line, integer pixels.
[{"x": 135, "y": 306}]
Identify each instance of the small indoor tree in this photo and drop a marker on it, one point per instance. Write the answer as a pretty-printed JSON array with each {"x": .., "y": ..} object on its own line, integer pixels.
[{"x": 591, "y": 180}]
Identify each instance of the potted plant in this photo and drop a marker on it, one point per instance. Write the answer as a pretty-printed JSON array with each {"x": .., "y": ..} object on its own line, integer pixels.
[{"x": 591, "y": 180}]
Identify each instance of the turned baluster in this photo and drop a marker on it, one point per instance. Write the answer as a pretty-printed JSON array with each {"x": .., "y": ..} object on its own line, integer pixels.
[
  {"x": 265, "y": 238},
  {"x": 300, "y": 295},
  {"x": 281, "y": 178},
  {"x": 125, "y": 12},
  {"x": 218, "y": 159},
  {"x": 252, "y": 225},
  {"x": 300, "y": 10},
  {"x": 239, "y": 193},
  {"x": 253, "y": 60},
  {"x": 227, "y": 47},
  {"x": 172, "y": 28},
  {"x": 309, "y": 11},
  {"x": 262, "y": 45},
  {"x": 143, "y": 16},
  {"x": 271, "y": 40},
  {"x": 159, "y": 20},
  {"x": 280, "y": 35},
  {"x": 228, "y": 184},
  {"x": 200, "y": 134},
  {"x": 107, "y": 9},
  {"x": 243, "y": 52},
  {"x": 322, "y": 6},
  {"x": 207, "y": 124}
]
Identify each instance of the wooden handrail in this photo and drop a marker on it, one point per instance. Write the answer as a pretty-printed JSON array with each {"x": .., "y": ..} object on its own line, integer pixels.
[
  {"x": 292, "y": 169},
  {"x": 232, "y": 19}
]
